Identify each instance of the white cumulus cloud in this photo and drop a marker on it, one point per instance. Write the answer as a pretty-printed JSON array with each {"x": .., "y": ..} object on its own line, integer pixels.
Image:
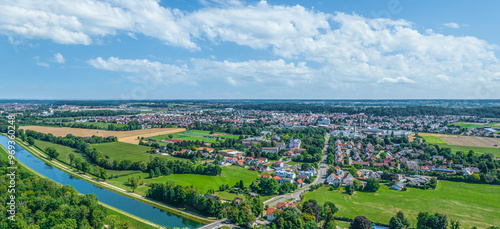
[{"x": 452, "y": 25}]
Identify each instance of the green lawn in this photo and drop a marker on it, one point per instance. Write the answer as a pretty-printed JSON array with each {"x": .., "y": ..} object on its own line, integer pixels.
[
  {"x": 474, "y": 125},
  {"x": 476, "y": 149},
  {"x": 64, "y": 151},
  {"x": 193, "y": 135},
  {"x": 135, "y": 224},
  {"x": 471, "y": 204},
  {"x": 127, "y": 151},
  {"x": 434, "y": 140},
  {"x": 230, "y": 175}
]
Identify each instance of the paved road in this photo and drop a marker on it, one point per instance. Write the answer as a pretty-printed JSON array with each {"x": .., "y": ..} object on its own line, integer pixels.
[
  {"x": 322, "y": 171},
  {"x": 219, "y": 224},
  {"x": 320, "y": 178}
]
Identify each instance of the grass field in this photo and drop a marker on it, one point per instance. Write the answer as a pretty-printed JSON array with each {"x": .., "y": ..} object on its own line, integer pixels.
[
  {"x": 133, "y": 222},
  {"x": 63, "y": 151},
  {"x": 434, "y": 140},
  {"x": 193, "y": 135},
  {"x": 230, "y": 175},
  {"x": 471, "y": 204},
  {"x": 123, "y": 136},
  {"x": 476, "y": 149},
  {"x": 469, "y": 125},
  {"x": 411, "y": 137},
  {"x": 127, "y": 151}
]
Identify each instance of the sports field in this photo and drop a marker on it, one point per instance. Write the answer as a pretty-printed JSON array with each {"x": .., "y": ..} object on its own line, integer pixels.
[
  {"x": 123, "y": 136},
  {"x": 230, "y": 175},
  {"x": 193, "y": 135},
  {"x": 127, "y": 151},
  {"x": 471, "y": 204}
]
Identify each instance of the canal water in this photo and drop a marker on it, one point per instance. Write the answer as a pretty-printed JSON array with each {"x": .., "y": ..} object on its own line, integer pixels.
[{"x": 113, "y": 199}]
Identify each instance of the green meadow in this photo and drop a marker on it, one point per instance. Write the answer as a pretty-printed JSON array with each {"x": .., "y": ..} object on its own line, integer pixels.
[
  {"x": 471, "y": 204},
  {"x": 434, "y": 140},
  {"x": 193, "y": 135},
  {"x": 469, "y": 125},
  {"x": 230, "y": 175},
  {"x": 128, "y": 151},
  {"x": 64, "y": 151}
]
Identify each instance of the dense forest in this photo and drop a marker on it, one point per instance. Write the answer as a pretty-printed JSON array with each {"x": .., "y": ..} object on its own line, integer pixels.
[{"x": 486, "y": 112}]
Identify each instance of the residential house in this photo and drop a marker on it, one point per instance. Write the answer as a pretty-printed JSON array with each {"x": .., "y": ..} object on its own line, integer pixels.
[
  {"x": 281, "y": 205},
  {"x": 270, "y": 214},
  {"x": 348, "y": 179},
  {"x": 333, "y": 179},
  {"x": 398, "y": 186}
]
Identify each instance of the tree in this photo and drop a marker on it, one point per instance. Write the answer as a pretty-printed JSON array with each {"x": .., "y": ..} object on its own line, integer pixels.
[
  {"x": 269, "y": 185},
  {"x": 357, "y": 185},
  {"x": 399, "y": 221},
  {"x": 71, "y": 158},
  {"x": 427, "y": 221},
  {"x": 349, "y": 189},
  {"x": 361, "y": 222},
  {"x": 133, "y": 182},
  {"x": 455, "y": 224},
  {"x": 305, "y": 166},
  {"x": 372, "y": 185},
  {"x": 103, "y": 173},
  {"x": 31, "y": 141},
  {"x": 170, "y": 136},
  {"x": 51, "y": 152}
]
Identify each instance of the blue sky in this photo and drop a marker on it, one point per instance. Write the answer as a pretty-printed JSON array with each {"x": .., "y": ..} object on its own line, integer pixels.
[{"x": 180, "y": 49}]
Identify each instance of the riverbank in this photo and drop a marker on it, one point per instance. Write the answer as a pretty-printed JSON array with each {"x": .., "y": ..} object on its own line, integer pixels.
[
  {"x": 134, "y": 220},
  {"x": 95, "y": 181}
]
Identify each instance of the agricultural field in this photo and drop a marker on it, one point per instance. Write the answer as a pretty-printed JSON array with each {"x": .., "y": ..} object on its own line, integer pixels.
[
  {"x": 470, "y": 125},
  {"x": 123, "y": 136},
  {"x": 476, "y": 149},
  {"x": 471, "y": 204},
  {"x": 63, "y": 151},
  {"x": 230, "y": 175},
  {"x": 193, "y": 135},
  {"x": 473, "y": 141},
  {"x": 455, "y": 143},
  {"x": 127, "y": 151}
]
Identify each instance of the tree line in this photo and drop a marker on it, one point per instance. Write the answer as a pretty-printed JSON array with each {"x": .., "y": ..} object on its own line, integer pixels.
[{"x": 486, "y": 112}]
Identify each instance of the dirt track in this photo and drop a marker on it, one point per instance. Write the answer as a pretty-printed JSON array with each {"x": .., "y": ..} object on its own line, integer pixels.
[
  {"x": 123, "y": 136},
  {"x": 473, "y": 141}
]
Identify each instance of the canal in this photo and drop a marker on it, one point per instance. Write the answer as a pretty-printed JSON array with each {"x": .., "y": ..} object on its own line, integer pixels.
[{"x": 113, "y": 199}]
